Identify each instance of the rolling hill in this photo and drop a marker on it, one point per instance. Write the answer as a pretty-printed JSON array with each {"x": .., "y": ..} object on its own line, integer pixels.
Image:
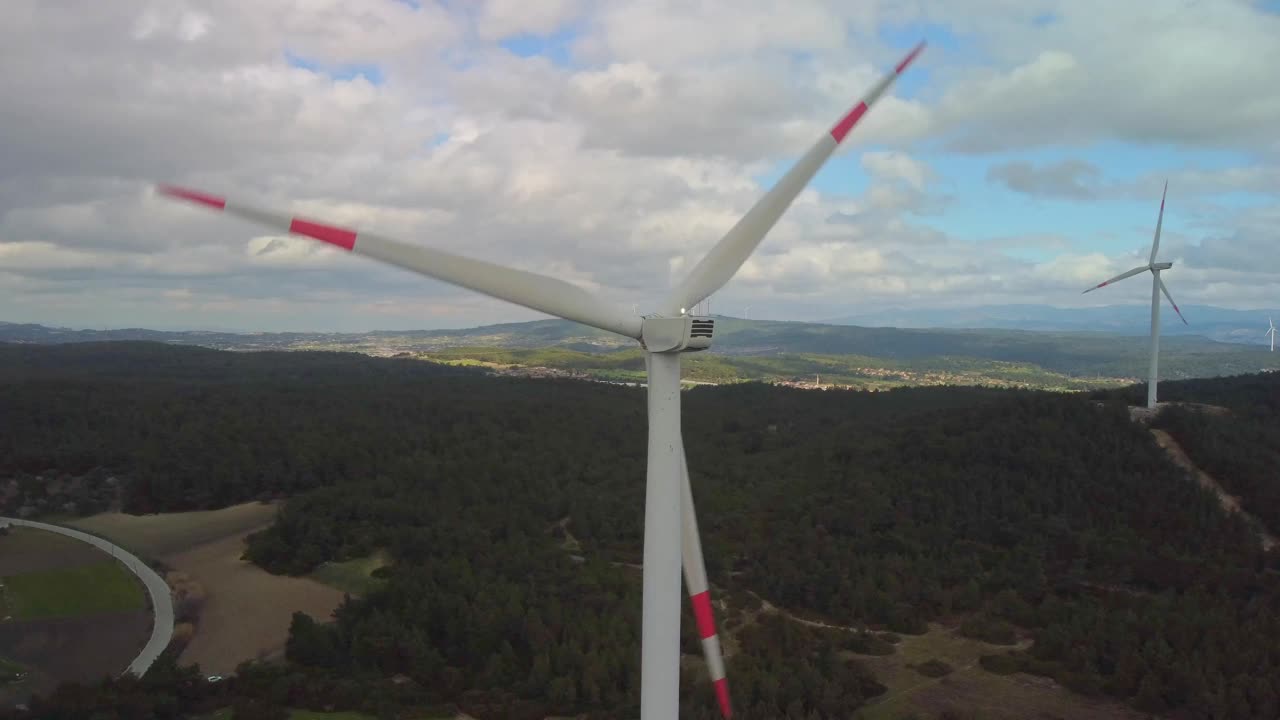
[{"x": 759, "y": 350}]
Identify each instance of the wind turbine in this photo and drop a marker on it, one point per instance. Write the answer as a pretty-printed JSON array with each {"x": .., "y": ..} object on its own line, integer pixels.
[
  {"x": 1157, "y": 287},
  {"x": 670, "y": 523},
  {"x": 1272, "y": 333}
]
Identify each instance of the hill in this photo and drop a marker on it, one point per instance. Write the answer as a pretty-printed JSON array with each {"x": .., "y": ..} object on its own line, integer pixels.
[
  {"x": 1216, "y": 323},
  {"x": 861, "y": 357},
  {"x": 1049, "y": 521}
]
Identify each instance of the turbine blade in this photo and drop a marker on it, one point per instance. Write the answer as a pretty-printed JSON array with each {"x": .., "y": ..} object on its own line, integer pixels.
[
  {"x": 1118, "y": 278},
  {"x": 718, "y": 266},
  {"x": 1165, "y": 290},
  {"x": 1155, "y": 245},
  {"x": 695, "y": 578},
  {"x": 538, "y": 292}
]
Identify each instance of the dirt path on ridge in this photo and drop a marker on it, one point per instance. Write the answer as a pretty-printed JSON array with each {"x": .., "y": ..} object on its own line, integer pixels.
[{"x": 1230, "y": 502}]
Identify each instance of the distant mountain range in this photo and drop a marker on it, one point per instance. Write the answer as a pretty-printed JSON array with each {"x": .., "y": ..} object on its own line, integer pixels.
[
  {"x": 1066, "y": 352},
  {"x": 1215, "y": 323}
]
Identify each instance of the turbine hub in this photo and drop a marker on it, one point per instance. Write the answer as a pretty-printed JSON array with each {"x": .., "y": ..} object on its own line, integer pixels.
[{"x": 686, "y": 333}]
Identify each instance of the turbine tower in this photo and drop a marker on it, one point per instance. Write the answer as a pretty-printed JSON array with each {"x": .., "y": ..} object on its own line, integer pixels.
[
  {"x": 1157, "y": 287},
  {"x": 1272, "y": 333},
  {"x": 670, "y": 523}
]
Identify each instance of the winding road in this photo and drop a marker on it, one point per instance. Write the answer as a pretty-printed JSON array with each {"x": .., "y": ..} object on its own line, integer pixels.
[{"x": 157, "y": 588}]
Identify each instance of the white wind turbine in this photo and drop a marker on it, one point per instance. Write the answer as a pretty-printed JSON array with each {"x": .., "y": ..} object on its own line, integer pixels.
[
  {"x": 1157, "y": 287},
  {"x": 670, "y": 524},
  {"x": 1272, "y": 333}
]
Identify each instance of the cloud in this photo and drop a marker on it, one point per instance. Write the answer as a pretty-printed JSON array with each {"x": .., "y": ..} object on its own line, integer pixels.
[
  {"x": 1175, "y": 72},
  {"x": 619, "y": 168},
  {"x": 897, "y": 166},
  {"x": 506, "y": 18},
  {"x": 1073, "y": 179}
]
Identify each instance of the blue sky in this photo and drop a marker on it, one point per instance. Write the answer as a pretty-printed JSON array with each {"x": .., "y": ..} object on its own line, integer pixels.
[
  {"x": 337, "y": 71},
  {"x": 556, "y": 47}
]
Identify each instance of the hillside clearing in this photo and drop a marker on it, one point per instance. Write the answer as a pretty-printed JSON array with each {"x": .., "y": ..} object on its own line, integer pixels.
[
  {"x": 353, "y": 576},
  {"x": 969, "y": 687}
]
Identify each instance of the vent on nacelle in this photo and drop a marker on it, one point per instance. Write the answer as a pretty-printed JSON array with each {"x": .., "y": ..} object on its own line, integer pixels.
[{"x": 702, "y": 328}]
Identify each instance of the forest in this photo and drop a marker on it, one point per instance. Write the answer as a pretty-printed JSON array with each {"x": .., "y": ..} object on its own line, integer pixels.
[{"x": 1014, "y": 512}]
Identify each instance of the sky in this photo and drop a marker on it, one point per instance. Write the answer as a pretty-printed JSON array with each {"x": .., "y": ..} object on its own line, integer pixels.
[{"x": 611, "y": 144}]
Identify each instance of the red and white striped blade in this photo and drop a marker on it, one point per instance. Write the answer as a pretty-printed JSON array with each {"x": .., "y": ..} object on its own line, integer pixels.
[
  {"x": 719, "y": 265},
  {"x": 1117, "y": 278},
  {"x": 695, "y": 578},
  {"x": 1165, "y": 290},
  {"x": 538, "y": 292}
]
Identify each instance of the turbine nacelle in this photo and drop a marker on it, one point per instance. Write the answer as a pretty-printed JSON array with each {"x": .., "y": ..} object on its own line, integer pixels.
[
  {"x": 687, "y": 333},
  {"x": 1161, "y": 265}
]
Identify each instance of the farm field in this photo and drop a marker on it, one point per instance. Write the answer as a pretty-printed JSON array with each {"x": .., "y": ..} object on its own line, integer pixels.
[
  {"x": 990, "y": 696},
  {"x": 26, "y": 550},
  {"x": 71, "y": 613},
  {"x": 246, "y": 611},
  {"x": 103, "y": 586},
  {"x": 167, "y": 533}
]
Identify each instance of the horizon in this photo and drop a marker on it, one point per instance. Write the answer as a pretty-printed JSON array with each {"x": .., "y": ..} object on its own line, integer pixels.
[{"x": 852, "y": 320}]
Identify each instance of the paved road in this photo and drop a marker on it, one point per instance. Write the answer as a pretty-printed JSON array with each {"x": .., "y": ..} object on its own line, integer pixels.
[{"x": 161, "y": 600}]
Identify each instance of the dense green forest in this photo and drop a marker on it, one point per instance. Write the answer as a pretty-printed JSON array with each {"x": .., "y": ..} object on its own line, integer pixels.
[
  {"x": 1012, "y": 511},
  {"x": 1240, "y": 448}
]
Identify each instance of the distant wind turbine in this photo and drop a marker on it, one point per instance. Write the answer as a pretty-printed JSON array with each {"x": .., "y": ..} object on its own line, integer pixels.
[
  {"x": 1157, "y": 287},
  {"x": 1272, "y": 333}
]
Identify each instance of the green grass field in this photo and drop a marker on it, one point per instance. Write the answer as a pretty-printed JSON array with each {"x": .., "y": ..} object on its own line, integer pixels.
[
  {"x": 9, "y": 670},
  {"x": 352, "y": 576},
  {"x": 68, "y": 592}
]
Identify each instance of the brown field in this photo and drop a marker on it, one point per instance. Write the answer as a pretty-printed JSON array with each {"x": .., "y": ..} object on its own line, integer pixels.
[
  {"x": 969, "y": 687},
  {"x": 66, "y": 649},
  {"x": 247, "y": 610},
  {"x": 27, "y": 549},
  {"x": 169, "y": 533}
]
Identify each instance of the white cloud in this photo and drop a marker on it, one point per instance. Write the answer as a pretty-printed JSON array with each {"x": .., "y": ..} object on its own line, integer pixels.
[
  {"x": 617, "y": 171},
  {"x": 506, "y": 18}
]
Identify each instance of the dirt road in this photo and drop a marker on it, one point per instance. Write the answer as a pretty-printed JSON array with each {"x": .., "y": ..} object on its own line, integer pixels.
[{"x": 1229, "y": 502}]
